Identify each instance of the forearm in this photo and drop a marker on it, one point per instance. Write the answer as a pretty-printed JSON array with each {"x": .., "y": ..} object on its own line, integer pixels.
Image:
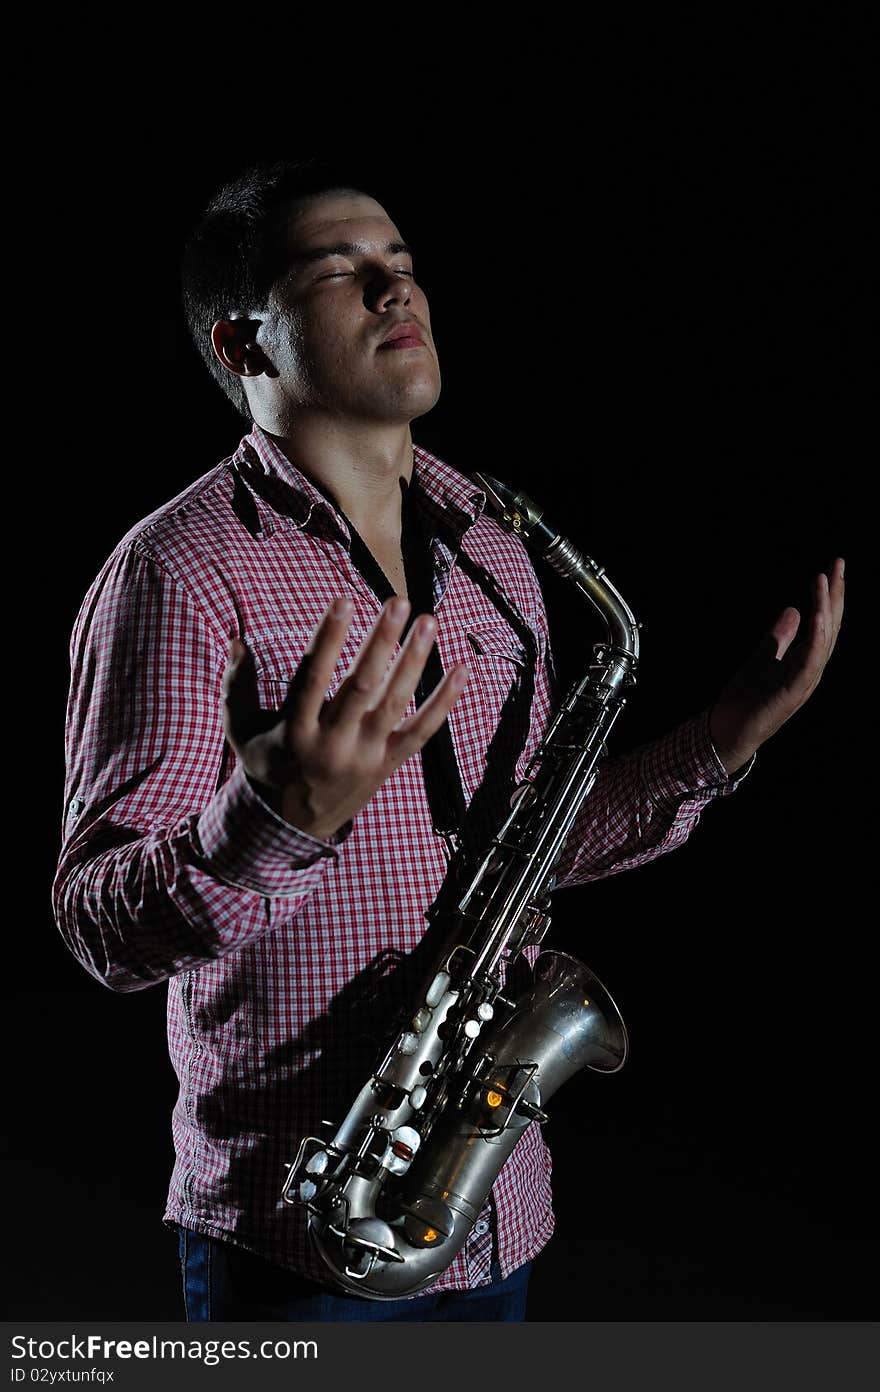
[
  {"x": 149, "y": 905},
  {"x": 645, "y": 803}
]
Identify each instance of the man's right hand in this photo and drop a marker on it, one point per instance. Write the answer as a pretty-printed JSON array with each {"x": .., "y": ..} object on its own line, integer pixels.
[{"x": 324, "y": 759}]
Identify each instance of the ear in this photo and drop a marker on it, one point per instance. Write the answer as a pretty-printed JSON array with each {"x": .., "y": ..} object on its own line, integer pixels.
[{"x": 235, "y": 344}]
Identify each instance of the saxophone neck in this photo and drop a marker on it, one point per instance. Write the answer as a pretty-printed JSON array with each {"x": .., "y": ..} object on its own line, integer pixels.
[{"x": 517, "y": 513}]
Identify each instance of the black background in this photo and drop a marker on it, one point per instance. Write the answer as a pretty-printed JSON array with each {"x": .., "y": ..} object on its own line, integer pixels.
[{"x": 645, "y": 250}]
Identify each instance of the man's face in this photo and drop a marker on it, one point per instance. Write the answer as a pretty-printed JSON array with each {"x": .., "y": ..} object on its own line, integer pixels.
[{"x": 330, "y": 311}]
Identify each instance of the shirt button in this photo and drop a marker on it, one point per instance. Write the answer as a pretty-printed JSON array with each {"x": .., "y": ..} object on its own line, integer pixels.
[{"x": 480, "y": 1228}]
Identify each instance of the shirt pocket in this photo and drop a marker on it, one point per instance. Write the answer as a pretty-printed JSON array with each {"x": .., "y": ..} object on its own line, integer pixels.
[
  {"x": 279, "y": 652},
  {"x": 496, "y": 658}
]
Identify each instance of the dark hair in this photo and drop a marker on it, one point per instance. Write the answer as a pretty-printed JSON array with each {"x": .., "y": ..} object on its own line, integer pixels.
[{"x": 228, "y": 262}]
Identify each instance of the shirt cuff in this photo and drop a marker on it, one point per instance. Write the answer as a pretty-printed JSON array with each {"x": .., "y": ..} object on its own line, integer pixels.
[
  {"x": 248, "y": 845},
  {"x": 684, "y": 767}
]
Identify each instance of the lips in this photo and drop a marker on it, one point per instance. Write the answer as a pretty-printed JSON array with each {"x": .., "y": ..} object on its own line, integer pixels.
[{"x": 404, "y": 336}]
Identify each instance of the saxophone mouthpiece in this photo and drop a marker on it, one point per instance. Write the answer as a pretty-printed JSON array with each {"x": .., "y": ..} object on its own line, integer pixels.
[
  {"x": 500, "y": 496},
  {"x": 517, "y": 513}
]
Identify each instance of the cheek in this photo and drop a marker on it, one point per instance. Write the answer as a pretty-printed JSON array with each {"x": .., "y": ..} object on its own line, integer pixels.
[
  {"x": 333, "y": 332},
  {"x": 316, "y": 347},
  {"x": 286, "y": 344}
]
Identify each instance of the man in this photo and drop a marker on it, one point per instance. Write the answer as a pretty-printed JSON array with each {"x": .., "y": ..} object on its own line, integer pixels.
[{"x": 293, "y": 687}]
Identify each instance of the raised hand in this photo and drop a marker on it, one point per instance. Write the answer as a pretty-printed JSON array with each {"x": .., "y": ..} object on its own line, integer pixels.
[
  {"x": 321, "y": 761},
  {"x": 780, "y": 675}
]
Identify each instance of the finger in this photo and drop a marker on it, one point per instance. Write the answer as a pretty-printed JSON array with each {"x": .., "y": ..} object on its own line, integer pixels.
[
  {"x": 836, "y": 590},
  {"x": 417, "y": 729},
  {"x": 823, "y": 602},
  {"x": 370, "y": 667},
  {"x": 241, "y": 703},
  {"x": 784, "y": 630},
  {"x": 308, "y": 686},
  {"x": 403, "y": 676},
  {"x": 806, "y": 661}
]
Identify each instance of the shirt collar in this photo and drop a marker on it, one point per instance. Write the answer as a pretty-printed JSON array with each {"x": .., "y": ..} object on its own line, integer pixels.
[{"x": 454, "y": 500}]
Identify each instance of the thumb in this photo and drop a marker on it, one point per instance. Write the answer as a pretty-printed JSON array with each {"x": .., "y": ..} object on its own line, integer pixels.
[
  {"x": 782, "y": 634},
  {"x": 240, "y": 700}
]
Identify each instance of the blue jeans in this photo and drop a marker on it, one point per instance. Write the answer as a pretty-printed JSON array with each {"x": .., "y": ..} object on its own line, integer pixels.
[{"x": 222, "y": 1282}]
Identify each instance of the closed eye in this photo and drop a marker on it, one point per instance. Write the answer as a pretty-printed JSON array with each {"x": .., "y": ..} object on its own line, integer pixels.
[{"x": 332, "y": 275}]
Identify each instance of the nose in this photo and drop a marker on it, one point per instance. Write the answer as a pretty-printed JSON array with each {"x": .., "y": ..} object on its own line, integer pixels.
[{"x": 386, "y": 288}]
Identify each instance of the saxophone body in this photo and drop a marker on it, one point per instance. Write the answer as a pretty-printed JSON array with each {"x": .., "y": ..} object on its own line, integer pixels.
[{"x": 393, "y": 1195}]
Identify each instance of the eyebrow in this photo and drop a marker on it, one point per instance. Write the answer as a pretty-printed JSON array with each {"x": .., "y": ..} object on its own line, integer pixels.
[{"x": 305, "y": 258}]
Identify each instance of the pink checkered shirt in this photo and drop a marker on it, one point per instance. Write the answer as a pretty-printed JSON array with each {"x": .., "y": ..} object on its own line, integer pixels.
[{"x": 279, "y": 950}]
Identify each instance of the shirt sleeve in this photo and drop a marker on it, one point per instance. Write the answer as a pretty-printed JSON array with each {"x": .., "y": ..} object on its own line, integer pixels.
[
  {"x": 170, "y": 857},
  {"x": 643, "y": 803}
]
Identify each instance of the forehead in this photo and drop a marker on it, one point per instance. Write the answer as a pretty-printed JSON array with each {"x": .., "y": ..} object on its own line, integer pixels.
[{"x": 344, "y": 217}]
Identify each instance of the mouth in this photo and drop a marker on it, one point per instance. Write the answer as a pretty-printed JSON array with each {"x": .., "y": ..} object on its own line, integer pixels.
[{"x": 404, "y": 337}]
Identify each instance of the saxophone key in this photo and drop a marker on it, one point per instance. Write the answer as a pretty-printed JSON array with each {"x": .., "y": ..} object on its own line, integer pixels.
[
  {"x": 437, "y": 989},
  {"x": 404, "y": 1143},
  {"x": 318, "y": 1163},
  {"x": 428, "y": 1222},
  {"x": 367, "y": 1239}
]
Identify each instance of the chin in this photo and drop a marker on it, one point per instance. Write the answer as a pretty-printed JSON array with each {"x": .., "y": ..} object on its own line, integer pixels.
[
  {"x": 428, "y": 404},
  {"x": 409, "y": 403}
]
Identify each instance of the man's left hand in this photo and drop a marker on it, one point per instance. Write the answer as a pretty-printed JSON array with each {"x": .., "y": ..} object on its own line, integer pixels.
[{"x": 780, "y": 676}]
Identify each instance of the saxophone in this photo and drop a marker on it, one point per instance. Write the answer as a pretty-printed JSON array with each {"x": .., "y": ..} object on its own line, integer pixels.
[{"x": 393, "y": 1196}]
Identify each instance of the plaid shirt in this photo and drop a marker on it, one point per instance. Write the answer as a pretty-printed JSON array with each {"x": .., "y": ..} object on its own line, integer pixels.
[{"x": 286, "y": 957}]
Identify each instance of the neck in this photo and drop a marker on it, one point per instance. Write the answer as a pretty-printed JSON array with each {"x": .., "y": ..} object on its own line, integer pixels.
[{"x": 360, "y": 467}]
